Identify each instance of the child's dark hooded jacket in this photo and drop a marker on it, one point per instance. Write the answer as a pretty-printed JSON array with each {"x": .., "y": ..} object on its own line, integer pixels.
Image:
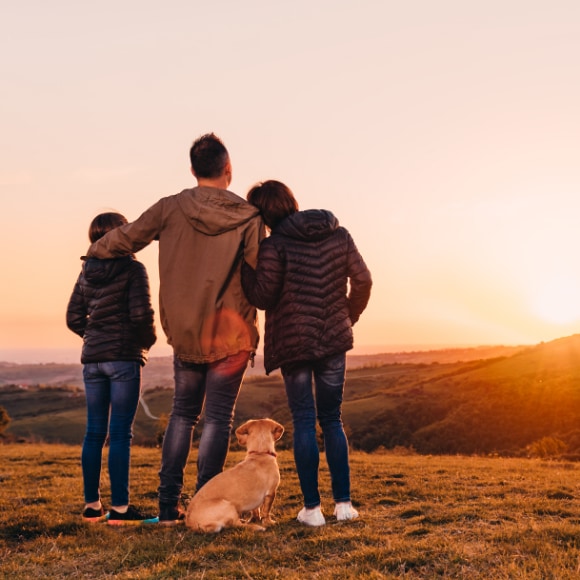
[{"x": 110, "y": 308}]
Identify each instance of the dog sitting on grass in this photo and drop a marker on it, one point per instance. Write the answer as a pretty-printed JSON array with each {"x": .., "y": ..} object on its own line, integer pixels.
[{"x": 250, "y": 486}]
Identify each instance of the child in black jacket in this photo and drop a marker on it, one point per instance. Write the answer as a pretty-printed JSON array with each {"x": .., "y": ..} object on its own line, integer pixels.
[{"x": 110, "y": 308}]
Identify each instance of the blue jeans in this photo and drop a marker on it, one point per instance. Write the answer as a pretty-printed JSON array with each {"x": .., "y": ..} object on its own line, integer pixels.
[
  {"x": 112, "y": 388},
  {"x": 217, "y": 386},
  {"x": 325, "y": 404}
]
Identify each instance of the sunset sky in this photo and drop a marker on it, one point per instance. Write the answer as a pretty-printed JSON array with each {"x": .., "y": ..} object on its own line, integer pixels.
[{"x": 443, "y": 135}]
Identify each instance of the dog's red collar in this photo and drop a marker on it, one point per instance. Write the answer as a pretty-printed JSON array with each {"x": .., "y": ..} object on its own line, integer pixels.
[{"x": 263, "y": 453}]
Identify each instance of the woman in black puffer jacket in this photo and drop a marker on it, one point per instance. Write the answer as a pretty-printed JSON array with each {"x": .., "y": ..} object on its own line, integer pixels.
[
  {"x": 110, "y": 308},
  {"x": 313, "y": 284}
]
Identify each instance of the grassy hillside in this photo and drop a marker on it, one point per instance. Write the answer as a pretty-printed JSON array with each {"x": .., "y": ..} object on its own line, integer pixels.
[
  {"x": 421, "y": 517},
  {"x": 500, "y": 405},
  {"x": 525, "y": 403}
]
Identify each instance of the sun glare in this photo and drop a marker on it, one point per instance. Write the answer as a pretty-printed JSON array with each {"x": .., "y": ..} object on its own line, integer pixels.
[{"x": 557, "y": 301}]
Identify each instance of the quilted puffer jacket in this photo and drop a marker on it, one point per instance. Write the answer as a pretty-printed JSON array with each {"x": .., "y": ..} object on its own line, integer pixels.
[
  {"x": 110, "y": 308},
  {"x": 302, "y": 280}
]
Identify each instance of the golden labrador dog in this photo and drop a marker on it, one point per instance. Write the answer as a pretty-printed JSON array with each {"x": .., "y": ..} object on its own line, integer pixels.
[{"x": 249, "y": 486}]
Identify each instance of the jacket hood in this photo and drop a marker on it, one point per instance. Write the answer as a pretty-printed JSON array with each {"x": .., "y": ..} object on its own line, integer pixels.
[
  {"x": 311, "y": 224},
  {"x": 101, "y": 272},
  {"x": 213, "y": 211}
]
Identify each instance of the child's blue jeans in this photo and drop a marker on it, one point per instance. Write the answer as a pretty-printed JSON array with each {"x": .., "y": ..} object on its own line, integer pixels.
[{"x": 112, "y": 391}]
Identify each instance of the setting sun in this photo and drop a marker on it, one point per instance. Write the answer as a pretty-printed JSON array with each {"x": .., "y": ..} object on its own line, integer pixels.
[{"x": 557, "y": 300}]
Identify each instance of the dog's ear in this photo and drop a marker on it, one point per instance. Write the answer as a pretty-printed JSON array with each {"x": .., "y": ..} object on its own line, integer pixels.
[
  {"x": 277, "y": 430},
  {"x": 242, "y": 433}
]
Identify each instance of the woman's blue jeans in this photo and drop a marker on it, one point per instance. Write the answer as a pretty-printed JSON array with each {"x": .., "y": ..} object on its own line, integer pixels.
[
  {"x": 215, "y": 385},
  {"x": 112, "y": 392},
  {"x": 324, "y": 403}
]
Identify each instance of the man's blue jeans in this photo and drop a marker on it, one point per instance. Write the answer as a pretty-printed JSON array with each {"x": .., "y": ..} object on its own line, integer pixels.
[
  {"x": 325, "y": 404},
  {"x": 112, "y": 392},
  {"x": 217, "y": 385}
]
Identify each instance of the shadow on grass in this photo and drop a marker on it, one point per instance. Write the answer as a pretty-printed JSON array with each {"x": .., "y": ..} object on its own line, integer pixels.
[{"x": 17, "y": 533}]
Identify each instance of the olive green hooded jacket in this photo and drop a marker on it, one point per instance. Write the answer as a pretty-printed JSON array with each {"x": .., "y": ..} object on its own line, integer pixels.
[{"x": 204, "y": 235}]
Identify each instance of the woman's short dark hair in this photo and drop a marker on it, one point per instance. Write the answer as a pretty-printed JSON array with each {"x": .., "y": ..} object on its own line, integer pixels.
[
  {"x": 208, "y": 156},
  {"x": 105, "y": 222},
  {"x": 274, "y": 200}
]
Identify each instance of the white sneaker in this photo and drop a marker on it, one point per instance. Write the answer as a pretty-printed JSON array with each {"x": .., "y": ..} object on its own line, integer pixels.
[
  {"x": 311, "y": 517},
  {"x": 344, "y": 511}
]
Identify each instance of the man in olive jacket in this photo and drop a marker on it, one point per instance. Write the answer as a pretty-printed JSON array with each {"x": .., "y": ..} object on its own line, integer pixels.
[{"x": 204, "y": 234}]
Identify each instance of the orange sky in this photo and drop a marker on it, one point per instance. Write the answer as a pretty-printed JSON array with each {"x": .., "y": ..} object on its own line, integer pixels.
[{"x": 444, "y": 136}]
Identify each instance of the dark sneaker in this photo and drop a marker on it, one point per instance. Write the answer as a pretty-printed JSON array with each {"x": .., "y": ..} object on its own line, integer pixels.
[
  {"x": 132, "y": 517},
  {"x": 94, "y": 516},
  {"x": 170, "y": 516}
]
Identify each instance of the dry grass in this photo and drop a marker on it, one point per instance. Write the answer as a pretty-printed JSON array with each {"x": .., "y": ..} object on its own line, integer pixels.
[{"x": 422, "y": 517}]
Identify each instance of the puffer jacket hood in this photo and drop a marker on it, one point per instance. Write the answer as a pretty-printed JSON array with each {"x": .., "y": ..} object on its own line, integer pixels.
[
  {"x": 310, "y": 224},
  {"x": 102, "y": 272},
  {"x": 213, "y": 212}
]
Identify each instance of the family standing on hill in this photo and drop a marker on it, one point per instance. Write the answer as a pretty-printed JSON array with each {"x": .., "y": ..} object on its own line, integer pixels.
[{"x": 216, "y": 266}]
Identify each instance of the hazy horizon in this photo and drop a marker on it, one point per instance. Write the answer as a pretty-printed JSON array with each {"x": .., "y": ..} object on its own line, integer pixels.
[{"x": 72, "y": 355}]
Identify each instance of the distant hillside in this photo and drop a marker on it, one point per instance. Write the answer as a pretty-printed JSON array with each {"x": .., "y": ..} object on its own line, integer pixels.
[
  {"x": 526, "y": 400},
  {"x": 159, "y": 370}
]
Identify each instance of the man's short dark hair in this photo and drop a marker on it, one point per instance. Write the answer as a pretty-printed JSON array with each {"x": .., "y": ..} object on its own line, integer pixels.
[{"x": 208, "y": 156}]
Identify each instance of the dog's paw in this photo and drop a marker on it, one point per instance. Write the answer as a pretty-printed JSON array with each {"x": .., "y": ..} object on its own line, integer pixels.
[{"x": 252, "y": 517}]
